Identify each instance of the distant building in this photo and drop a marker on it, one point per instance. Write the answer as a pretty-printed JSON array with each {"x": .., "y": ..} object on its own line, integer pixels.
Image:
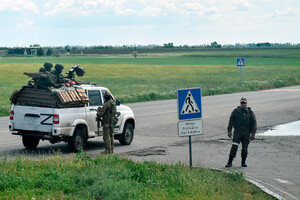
[
  {"x": 2, "y": 52},
  {"x": 24, "y": 50},
  {"x": 31, "y": 50}
]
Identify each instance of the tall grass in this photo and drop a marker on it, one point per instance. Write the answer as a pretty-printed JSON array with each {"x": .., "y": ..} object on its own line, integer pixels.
[
  {"x": 114, "y": 177},
  {"x": 145, "y": 79}
]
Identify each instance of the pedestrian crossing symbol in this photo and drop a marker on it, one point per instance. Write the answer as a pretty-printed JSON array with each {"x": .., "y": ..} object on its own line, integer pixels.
[
  {"x": 240, "y": 62},
  {"x": 189, "y": 103}
]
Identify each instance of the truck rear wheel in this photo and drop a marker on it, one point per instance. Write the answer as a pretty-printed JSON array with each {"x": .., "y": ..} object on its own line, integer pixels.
[
  {"x": 127, "y": 135},
  {"x": 77, "y": 141},
  {"x": 30, "y": 142}
]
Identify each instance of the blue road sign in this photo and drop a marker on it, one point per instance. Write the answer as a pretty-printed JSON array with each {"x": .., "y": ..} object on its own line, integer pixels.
[
  {"x": 189, "y": 103},
  {"x": 240, "y": 62}
]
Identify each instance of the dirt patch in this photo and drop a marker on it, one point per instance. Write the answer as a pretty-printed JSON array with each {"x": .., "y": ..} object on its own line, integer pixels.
[{"x": 149, "y": 151}]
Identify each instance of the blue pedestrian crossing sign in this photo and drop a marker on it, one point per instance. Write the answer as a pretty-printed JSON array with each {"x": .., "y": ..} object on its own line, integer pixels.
[
  {"x": 240, "y": 62},
  {"x": 189, "y": 103}
]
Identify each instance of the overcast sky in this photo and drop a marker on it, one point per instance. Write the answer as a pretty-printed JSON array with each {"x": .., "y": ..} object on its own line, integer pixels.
[{"x": 143, "y": 22}]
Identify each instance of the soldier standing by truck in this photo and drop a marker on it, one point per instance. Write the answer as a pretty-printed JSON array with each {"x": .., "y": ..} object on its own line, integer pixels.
[
  {"x": 243, "y": 121},
  {"x": 108, "y": 114}
]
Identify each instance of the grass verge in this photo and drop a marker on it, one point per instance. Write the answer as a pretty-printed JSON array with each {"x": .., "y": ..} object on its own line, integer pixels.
[{"x": 116, "y": 177}]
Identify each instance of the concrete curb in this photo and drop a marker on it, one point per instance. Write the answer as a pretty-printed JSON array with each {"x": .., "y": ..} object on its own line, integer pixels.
[
  {"x": 256, "y": 183},
  {"x": 263, "y": 188}
]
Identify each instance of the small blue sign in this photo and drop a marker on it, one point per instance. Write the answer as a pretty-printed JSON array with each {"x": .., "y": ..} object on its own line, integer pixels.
[
  {"x": 240, "y": 62},
  {"x": 189, "y": 103}
]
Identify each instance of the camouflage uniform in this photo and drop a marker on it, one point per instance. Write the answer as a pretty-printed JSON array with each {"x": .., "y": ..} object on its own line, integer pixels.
[
  {"x": 44, "y": 79},
  {"x": 42, "y": 69},
  {"x": 243, "y": 121},
  {"x": 57, "y": 77},
  {"x": 107, "y": 112}
]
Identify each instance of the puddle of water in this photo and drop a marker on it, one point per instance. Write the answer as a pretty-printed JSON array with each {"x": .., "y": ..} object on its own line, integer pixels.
[{"x": 290, "y": 129}]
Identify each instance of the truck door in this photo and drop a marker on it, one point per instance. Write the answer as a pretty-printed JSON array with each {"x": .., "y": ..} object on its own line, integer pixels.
[{"x": 94, "y": 103}]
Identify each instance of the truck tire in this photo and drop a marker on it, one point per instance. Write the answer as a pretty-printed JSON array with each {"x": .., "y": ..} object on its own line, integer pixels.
[
  {"x": 30, "y": 142},
  {"x": 77, "y": 141},
  {"x": 127, "y": 135}
]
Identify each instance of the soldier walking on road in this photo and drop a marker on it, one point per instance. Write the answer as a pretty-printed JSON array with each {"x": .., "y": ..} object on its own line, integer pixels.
[
  {"x": 108, "y": 114},
  {"x": 243, "y": 121}
]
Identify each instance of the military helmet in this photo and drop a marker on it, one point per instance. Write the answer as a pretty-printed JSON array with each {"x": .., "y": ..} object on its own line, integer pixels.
[
  {"x": 48, "y": 65},
  {"x": 243, "y": 100},
  {"x": 59, "y": 67},
  {"x": 107, "y": 96}
]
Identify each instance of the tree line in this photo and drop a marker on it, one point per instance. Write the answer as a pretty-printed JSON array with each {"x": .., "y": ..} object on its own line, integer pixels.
[{"x": 55, "y": 51}]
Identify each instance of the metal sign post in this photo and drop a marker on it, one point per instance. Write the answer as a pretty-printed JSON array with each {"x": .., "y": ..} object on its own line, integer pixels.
[
  {"x": 240, "y": 74},
  {"x": 240, "y": 62},
  {"x": 189, "y": 114},
  {"x": 190, "y": 149}
]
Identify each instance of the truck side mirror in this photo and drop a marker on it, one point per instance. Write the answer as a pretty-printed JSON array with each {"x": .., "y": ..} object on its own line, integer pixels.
[{"x": 118, "y": 102}]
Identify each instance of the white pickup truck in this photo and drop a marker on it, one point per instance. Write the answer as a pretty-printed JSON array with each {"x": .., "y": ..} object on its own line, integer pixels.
[{"x": 72, "y": 125}]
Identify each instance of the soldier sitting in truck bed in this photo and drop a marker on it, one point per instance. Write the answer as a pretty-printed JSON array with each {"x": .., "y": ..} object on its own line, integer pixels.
[
  {"x": 45, "y": 79},
  {"x": 56, "y": 75},
  {"x": 46, "y": 67}
]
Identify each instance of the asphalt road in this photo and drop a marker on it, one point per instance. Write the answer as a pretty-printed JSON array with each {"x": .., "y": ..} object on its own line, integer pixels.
[{"x": 273, "y": 162}]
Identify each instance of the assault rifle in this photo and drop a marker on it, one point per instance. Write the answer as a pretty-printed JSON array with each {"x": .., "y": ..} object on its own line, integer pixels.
[{"x": 99, "y": 120}]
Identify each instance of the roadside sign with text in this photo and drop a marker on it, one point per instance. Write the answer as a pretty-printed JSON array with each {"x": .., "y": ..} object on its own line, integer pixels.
[
  {"x": 189, "y": 103},
  {"x": 190, "y": 127},
  {"x": 189, "y": 113}
]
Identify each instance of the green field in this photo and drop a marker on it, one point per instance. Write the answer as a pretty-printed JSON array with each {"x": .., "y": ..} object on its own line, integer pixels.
[
  {"x": 159, "y": 75},
  {"x": 115, "y": 177}
]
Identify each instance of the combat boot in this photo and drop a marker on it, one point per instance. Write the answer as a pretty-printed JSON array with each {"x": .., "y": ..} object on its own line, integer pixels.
[
  {"x": 105, "y": 152},
  {"x": 229, "y": 164},
  {"x": 111, "y": 150},
  {"x": 244, "y": 161}
]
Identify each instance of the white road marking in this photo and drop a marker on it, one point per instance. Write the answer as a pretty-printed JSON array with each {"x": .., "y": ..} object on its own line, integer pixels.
[
  {"x": 282, "y": 90},
  {"x": 10, "y": 143},
  {"x": 274, "y": 107},
  {"x": 158, "y": 113},
  {"x": 263, "y": 109},
  {"x": 144, "y": 124},
  {"x": 167, "y": 122},
  {"x": 4, "y": 131},
  {"x": 283, "y": 181},
  {"x": 212, "y": 107}
]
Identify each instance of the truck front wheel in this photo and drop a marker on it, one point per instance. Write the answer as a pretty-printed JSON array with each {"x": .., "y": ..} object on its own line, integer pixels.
[
  {"x": 127, "y": 135},
  {"x": 77, "y": 141},
  {"x": 30, "y": 142}
]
